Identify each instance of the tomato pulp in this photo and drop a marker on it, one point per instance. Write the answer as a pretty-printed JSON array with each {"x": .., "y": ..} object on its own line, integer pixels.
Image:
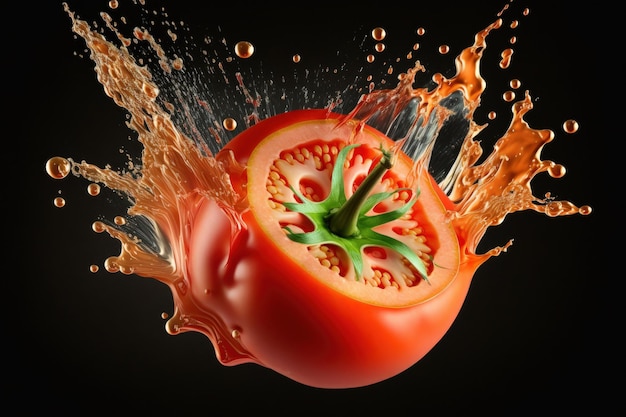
[{"x": 291, "y": 306}]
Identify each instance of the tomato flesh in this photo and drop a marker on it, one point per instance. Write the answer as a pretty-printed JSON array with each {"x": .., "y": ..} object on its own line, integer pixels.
[{"x": 289, "y": 310}]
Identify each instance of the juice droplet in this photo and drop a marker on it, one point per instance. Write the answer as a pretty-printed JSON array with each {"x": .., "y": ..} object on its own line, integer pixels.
[
  {"x": 585, "y": 210},
  {"x": 244, "y": 49},
  {"x": 570, "y": 126},
  {"x": 370, "y": 58},
  {"x": 416, "y": 46},
  {"x": 119, "y": 220},
  {"x": 296, "y": 58},
  {"x": 513, "y": 40},
  {"x": 94, "y": 268},
  {"x": 506, "y": 58},
  {"x": 58, "y": 167},
  {"x": 515, "y": 83},
  {"x": 379, "y": 47},
  {"x": 514, "y": 24},
  {"x": 164, "y": 315},
  {"x": 379, "y": 33},
  {"x": 421, "y": 31},
  {"x": 444, "y": 49},
  {"x": 177, "y": 64},
  {"x": 492, "y": 115},
  {"x": 508, "y": 96},
  {"x": 98, "y": 227},
  {"x": 235, "y": 333},
  {"x": 113, "y": 4},
  {"x": 93, "y": 189},
  {"x": 59, "y": 202},
  {"x": 229, "y": 123}
]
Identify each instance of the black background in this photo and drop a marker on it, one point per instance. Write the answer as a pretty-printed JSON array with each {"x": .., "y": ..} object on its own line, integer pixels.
[{"x": 533, "y": 335}]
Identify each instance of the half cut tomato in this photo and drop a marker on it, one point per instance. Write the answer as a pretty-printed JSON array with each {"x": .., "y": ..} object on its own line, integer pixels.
[{"x": 327, "y": 299}]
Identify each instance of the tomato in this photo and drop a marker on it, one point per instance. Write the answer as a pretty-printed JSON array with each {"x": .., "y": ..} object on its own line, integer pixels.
[{"x": 342, "y": 313}]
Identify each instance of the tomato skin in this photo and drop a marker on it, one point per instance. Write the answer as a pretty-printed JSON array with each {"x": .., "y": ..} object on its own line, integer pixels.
[{"x": 288, "y": 320}]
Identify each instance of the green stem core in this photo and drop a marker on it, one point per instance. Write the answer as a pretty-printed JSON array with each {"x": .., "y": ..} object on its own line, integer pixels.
[{"x": 343, "y": 221}]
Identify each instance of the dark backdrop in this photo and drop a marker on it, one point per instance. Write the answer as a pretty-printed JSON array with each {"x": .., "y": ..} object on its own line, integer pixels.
[{"x": 534, "y": 333}]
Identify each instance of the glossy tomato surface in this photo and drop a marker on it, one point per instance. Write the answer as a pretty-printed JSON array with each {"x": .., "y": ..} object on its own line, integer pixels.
[{"x": 285, "y": 309}]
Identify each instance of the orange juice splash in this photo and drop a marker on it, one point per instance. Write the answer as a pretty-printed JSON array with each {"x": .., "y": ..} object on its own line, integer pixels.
[{"x": 178, "y": 171}]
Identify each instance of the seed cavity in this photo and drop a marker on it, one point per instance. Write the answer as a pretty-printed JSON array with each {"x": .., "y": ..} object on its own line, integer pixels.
[{"x": 308, "y": 168}]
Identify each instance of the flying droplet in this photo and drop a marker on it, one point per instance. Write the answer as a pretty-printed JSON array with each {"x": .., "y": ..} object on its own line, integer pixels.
[
  {"x": 93, "y": 189},
  {"x": 570, "y": 126},
  {"x": 506, "y": 55},
  {"x": 98, "y": 227},
  {"x": 379, "y": 33},
  {"x": 178, "y": 64},
  {"x": 508, "y": 96},
  {"x": 244, "y": 49},
  {"x": 229, "y": 123},
  {"x": 58, "y": 167},
  {"x": 515, "y": 83}
]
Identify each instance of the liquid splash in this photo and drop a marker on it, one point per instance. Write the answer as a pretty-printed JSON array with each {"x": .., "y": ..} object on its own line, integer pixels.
[{"x": 178, "y": 168}]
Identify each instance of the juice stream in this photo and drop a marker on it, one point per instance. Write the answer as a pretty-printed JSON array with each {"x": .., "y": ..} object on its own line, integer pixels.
[{"x": 178, "y": 173}]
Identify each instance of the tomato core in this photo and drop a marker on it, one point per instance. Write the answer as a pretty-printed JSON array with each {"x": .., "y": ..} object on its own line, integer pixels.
[{"x": 344, "y": 220}]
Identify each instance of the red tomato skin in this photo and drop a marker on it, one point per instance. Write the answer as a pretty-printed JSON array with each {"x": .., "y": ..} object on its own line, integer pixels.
[{"x": 290, "y": 322}]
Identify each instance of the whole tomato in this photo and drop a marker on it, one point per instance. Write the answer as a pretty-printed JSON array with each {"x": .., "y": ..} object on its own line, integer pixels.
[{"x": 325, "y": 299}]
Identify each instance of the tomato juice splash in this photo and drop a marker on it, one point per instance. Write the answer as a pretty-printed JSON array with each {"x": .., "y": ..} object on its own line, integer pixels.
[{"x": 171, "y": 118}]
